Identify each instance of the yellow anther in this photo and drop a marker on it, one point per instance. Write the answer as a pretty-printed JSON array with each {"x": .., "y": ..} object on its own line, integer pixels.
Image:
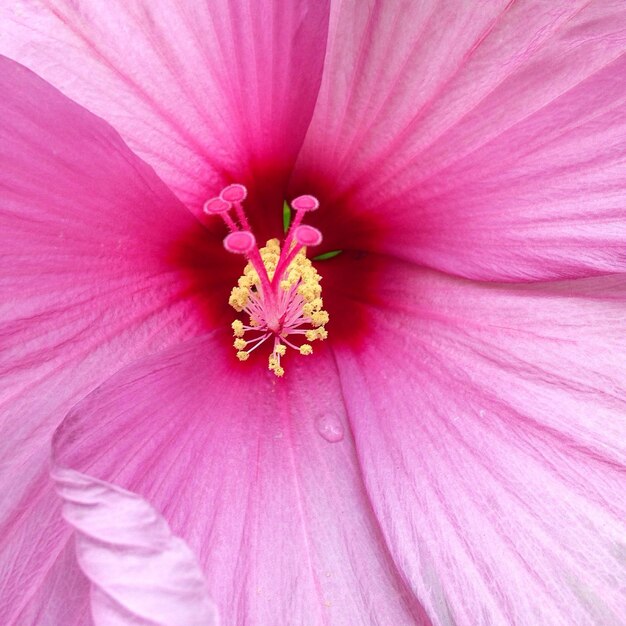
[
  {"x": 238, "y": 298},
  {"x": 309, "y": 291},
  {"x": 269, "y": 257},
  {"x": 249, "y": 295},
  {"x": 316, "y": 333},
  {"x": 319, "y": 318},
  {"x": 311, "y": 307},
  {"x": 274, "y": 366}
]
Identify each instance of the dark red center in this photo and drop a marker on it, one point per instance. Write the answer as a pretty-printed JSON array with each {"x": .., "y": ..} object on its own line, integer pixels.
[{"x": 349, "y": 279}]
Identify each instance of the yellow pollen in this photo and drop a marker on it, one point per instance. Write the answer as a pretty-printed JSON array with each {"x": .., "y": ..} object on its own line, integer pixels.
[
  {"x": 319, "y": 318},
  {"x": 238, "y": 298},
  {"x": 316, "y": 333},
  {"x": 300, "y": 307},
  {"x": 245, "y": 281},
  {"x": 274, "y": 365}
]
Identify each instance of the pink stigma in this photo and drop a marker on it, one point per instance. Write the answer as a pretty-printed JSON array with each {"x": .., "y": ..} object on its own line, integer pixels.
[
  {"x": 305, "y": 203},
  {"x": 279, "y": 289},
  {"x": 234, "y": 193},
  {"x": 308, "y": 236},
  {"x": 215, "y": 206},
  {"x": 240, "y": 242}
]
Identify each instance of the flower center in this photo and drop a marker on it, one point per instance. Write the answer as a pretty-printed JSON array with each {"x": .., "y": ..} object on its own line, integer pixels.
[{"x": 279, "y": 289}]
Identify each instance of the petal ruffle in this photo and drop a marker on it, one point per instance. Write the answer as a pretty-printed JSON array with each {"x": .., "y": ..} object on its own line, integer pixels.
[
  {"x": 141, "y": 574},
  {"x": 233, "y": 459},
  {"x": 202, "y": 91},
  {"x": 87, "y": 283},
  {"x": 489, "y": 423},
  {"x": 485, "y": 139}
]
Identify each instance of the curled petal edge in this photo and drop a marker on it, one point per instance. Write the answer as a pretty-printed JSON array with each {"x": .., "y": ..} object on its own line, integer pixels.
[{"x": 140, "y": 572}]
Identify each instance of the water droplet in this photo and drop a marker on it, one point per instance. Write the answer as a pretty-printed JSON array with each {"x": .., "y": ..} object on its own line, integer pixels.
[{"x": 330, "y": 428}]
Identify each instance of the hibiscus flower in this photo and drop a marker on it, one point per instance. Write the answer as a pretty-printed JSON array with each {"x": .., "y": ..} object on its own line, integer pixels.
[{"x": 453, "y": 452}]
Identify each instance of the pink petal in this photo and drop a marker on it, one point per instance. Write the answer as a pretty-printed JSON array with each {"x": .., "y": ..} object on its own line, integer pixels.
[
  {"x": 140, "y": 573},
  {"x": 87, "y": 284},
  {"x": 487, "y": 139},
  {"x": 235, "y": 461},
  {"x": 489, "y": 425},
  {"x": 202, "y": 91},
  {"x": 63, "y": 598}
]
